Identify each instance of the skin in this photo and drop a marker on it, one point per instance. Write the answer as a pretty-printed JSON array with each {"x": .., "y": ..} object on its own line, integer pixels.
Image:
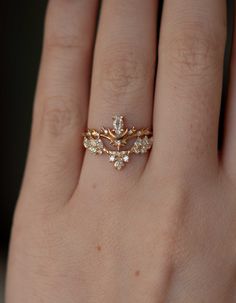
[{"x": 163, "y": 229}]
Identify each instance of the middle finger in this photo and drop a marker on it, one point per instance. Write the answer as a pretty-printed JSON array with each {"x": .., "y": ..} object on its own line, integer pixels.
[{"x": 123, "y": 73}]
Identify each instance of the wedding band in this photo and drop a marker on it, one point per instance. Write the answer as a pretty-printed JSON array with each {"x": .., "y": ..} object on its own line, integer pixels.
[{"x": 123, "y": 142}]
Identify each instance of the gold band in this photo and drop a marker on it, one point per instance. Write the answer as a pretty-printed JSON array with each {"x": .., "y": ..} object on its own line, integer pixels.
[{"x": 118, "y": 137}]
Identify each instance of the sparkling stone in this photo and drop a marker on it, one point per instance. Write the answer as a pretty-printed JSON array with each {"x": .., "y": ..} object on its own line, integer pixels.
[
  {"x": 126, "y": 158},
  {"x": 112, "y": 158},
  {"x": 119, "y": 158},
  {"x": 137, "y": 145},
  {"x": 118, "y": 164},
  {"x": 99, "y": 143},
  {"x": 94, "y": 145},
  {"x": 86, "y": 143},
  {"x": 93, "y": 149},
  {"x": 118, "y": 124},
  {"x": 142, "y": 145}
]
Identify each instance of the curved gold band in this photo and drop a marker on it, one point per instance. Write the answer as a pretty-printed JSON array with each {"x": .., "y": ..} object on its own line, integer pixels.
[{"x": 118, "y": 137}]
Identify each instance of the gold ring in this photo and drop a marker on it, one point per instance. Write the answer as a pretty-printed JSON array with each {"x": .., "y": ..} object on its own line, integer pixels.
[{"x": 119, "y": 137}]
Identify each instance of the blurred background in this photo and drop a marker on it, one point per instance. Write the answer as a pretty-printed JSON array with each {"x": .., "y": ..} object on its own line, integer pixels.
[{"x": 21, "y": 34}]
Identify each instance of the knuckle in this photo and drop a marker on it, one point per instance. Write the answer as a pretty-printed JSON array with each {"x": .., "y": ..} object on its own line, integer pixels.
[
  {"x": 124, "y": 71},
  {"x": 193, "y": 51},
  {"x": 59, "y": 40},
  {"x": 62, "y": 41},
  {"x": 59, "y": 117}
]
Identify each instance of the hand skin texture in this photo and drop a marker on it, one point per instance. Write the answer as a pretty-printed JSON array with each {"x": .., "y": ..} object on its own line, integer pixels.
[{"x": 163, "y": 229}]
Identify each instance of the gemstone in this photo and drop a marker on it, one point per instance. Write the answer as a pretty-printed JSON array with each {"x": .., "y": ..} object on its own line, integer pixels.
[
  {"x": 112, "y": 158},
  {"x": 142, "y": 145},
  {"x": 118, "y": 164},
  {"x": 86, "y": 143},
  {"x": 118, "y": 124},
  {"x": 94, "y": 145},
  {"x": 126, "y": 158},
  {"x": 119, "y": 158}
]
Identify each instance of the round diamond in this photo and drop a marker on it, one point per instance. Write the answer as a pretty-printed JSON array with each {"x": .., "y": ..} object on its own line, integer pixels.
[
  {"x": 119, "y": 164},
  {"x": 126, "y": 158},
  {"x": 93, "y": 142},
  {"x": 112, "y": 158},
  {"x": 94, "y": 145},
  {"x": 86, "y": 143},
  {"x": 93, "y": 149}
]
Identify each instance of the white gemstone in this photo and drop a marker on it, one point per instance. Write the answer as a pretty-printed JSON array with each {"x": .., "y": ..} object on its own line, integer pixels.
[
  {"x": 86, "y": 143},
  {"x": 105, "y": 131},
  {"x": 146, "y": 140},
  {"x": 118, "y": 124},
  {"x": 126, "y": 158},
  {"x": 119, "y": 164},
  {"x": 93, "y": 142},
  {"x": 137, "y": 145},
  {"x": 94, "y": 145},
  {"x": 93, "y": 149},
  {"x": 112, "y": 158},
  {"x": 142, "y": 145}
]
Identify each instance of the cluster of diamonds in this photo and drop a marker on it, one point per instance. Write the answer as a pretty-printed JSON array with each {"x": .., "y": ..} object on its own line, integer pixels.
[{"x": 118, "y": 137}]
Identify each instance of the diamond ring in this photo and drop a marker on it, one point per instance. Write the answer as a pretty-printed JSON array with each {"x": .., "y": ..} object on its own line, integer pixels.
[{"x": 119, "y": 142}]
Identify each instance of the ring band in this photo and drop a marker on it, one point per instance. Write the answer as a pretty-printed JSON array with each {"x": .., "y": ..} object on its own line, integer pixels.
[{"x": 98, "y": 142}]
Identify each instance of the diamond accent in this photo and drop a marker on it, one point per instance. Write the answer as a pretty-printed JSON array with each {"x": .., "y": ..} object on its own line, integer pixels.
[
  {"x": 142, "y": 145},
  {"x": 118, "y": 164},
  {"x": 94, "y": 145},
  {"x": 119, "y": 158},
  {"x": 118, "y": 124}
]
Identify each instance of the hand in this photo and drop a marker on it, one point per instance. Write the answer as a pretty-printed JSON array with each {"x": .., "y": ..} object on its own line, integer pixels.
[{"x": 163, "y": 228}]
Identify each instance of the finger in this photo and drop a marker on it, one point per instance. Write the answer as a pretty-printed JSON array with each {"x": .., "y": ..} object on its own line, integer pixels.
[
  {"x": 189, "y": 83},
  {"x": 229, "y": 146},
  {"x": 123, "y": 72},
  {"x": 62, "y": 97}
]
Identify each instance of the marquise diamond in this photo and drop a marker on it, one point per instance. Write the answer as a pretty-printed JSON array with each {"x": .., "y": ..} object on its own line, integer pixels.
[{"x": 118, "y": 124}]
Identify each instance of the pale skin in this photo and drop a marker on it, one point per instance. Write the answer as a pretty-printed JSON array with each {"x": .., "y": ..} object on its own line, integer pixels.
[{"x": 164, "y": 228}]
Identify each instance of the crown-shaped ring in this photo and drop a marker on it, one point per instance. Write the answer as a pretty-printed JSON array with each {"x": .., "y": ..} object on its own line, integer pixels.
[{"x": 119, "y": 142}]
